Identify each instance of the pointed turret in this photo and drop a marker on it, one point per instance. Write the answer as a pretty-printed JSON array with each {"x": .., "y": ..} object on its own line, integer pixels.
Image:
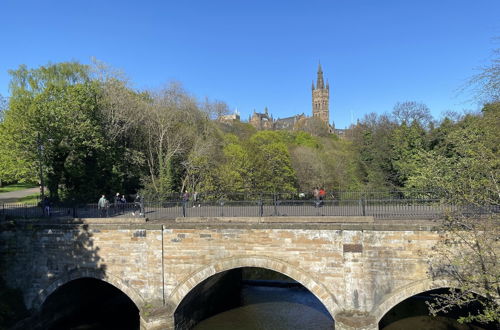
[
  {"x": 320, "y": 84},
  {"x": 321, "y": 97}
]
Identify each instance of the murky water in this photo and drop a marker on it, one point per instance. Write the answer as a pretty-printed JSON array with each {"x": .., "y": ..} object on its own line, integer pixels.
[
  {"x": 263, "y": 307},
  {"x": 275, "y": 308},
  {"x": 430, "y": 323},
  {"x": 272, "y": 308}
]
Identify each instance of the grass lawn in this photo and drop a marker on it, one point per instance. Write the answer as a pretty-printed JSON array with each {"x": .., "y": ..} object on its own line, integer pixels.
[
  {"x": 30, "y": 199},
  {"x": 17, "y": 186}
]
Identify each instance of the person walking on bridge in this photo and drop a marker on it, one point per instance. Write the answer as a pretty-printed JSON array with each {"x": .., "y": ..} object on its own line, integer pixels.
[
  {"x": 321, "y": 195},
  {"x": 316, "y": 197}
]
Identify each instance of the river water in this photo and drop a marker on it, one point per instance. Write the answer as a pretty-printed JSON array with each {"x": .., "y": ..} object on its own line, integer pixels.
[
  {"x": 263, "y": 307},
  {"x": 278, "y": 308},
  {"x": 272, "y": 308}
]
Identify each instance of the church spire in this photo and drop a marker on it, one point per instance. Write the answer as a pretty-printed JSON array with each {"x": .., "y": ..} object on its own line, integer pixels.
[{"x": 320, "y": 84}]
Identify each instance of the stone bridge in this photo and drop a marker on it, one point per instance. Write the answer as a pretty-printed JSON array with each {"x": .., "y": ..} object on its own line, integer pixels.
[{"x": 358, "y": 268}]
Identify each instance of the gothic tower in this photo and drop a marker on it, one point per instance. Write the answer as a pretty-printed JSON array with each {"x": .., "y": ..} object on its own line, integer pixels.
[{"x": 321, "y": 98}]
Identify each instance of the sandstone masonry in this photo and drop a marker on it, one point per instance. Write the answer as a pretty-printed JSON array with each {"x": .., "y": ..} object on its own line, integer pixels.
[{"x": 359, "y": 270}]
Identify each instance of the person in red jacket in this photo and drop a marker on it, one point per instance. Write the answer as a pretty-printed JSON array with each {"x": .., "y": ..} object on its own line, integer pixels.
[{"x": 322, "y": 194}]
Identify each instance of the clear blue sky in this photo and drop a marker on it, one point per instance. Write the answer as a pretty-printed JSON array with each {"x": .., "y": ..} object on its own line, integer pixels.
[{"x": 253, "y": 54}]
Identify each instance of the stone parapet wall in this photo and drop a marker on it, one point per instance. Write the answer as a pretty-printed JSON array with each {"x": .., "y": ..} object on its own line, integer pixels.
[{"x": 358, "y": 266}]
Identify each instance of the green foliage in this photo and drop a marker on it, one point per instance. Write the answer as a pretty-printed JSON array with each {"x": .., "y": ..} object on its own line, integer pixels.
[
  {"x": 407, "y": 143},
  {"x": 305, "y": 140},
  {"x": 55, "y": 121},
  {"x": 465, "y": 164},
  {"x": 235, "y": 174},
  {"x": 272, "y": 162},
  {"x": 372, "y": 142}
]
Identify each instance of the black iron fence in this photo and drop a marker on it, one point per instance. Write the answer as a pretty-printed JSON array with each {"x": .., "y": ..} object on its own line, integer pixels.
[{"x": 380, "y": 205}]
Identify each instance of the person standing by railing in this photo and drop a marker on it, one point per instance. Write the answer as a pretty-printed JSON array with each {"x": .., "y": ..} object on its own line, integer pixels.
[
  {"x": 102, "y": 206},
  {"x": 116, "y": 203},
  {"x": 185, "y": 198},
  {"x": 138, "y": 205},
  {"x": 321, "y": 194},
  {"x": 196, "y": 198},
  {"x": 46, "y": 206},
  {"x": 123, "y": 203},
  {"x": 316, "y": 197}
]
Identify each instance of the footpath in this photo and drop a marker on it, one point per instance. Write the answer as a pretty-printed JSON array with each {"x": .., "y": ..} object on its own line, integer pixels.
[{"x": 13, "y": 196}]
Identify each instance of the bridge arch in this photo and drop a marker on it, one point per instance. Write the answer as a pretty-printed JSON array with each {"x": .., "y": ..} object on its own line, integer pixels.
[
  {"x": 405, "y": 292},
  {"x": 316, "y": 288},
  {"x": 94, "y": 273}
]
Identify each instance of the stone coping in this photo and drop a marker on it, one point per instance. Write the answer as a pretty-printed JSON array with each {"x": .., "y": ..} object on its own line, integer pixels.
[
  {"x": 330, "y": 219},
  {"x": 141, "y": 223}
]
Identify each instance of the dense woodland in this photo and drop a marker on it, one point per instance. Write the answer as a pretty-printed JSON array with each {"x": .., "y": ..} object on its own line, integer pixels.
[{"x": 91, "y": 133}]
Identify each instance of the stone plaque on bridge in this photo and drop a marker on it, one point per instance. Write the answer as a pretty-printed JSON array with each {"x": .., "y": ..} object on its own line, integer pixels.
[{"x": 354, "y": 248}]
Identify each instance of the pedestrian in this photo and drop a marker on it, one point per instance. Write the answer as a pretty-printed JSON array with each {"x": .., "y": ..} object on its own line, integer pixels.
[
  {"x": 46, "y": 206},
  {"x": 195, "y": 199},
  {"x": 123, "y": 203},
  {"x": 185, "y": 197},
  {"x": 316, "y": 196},
  {"x": 321, "y": 194},
  {"x": 102, "y": 205},
  {"x": 138, "y": 205},
  {"x": 116, "y": 203}
]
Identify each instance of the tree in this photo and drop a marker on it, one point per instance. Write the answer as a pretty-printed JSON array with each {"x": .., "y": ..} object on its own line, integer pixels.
[
  {"x": 465, "y": 168},
  {"x": 372, "y": 141},
  {"x": 309, "y": 168},
  {"x": 467, "y": 258},
  {"x": 214, "y": 109},
  {"x": 314, "y": 125},
  {"x": 3, "y": 107},
  {"x": 486, "y": 83},
  {"x": 407, "y": 142},
  {"x": 235, "y": 174},
  {"x": 59, "y": 119},
  {"x": 275, "y": 171},
  {"x": 204, "y": 156},
  {"x": 169, "y": 127},
  {"x": 410, "y": 111}
]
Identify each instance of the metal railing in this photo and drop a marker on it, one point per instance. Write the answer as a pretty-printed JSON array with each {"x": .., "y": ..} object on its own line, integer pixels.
[{"x": 380, "y": 205}]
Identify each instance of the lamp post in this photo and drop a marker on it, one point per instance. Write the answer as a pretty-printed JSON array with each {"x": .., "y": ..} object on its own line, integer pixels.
[{"x": 40, "y": 163}]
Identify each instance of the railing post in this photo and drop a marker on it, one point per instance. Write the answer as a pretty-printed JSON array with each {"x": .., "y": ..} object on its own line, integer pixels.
[
  {"x": 275, "y": 202},
  {"x": 261, "y": 207},
  {"x": 363, "y": 205}
]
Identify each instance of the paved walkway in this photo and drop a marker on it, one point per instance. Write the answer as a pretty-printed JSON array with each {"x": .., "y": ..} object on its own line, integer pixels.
[{"x": 13, "y": 196}]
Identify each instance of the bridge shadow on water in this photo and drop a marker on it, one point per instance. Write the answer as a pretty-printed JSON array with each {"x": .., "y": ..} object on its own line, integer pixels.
[
  {"x": 91, "y": 304},
  {"x": 413, "y": 313}
]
